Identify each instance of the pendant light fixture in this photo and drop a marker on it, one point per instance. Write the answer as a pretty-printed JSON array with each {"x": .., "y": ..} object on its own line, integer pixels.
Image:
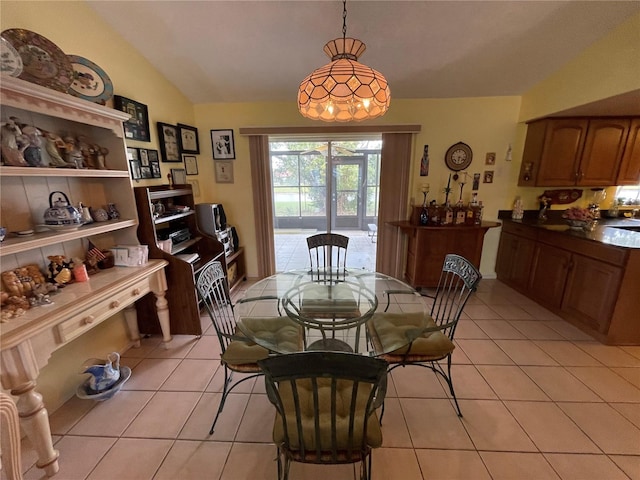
[{"x": 344, "y": 90}]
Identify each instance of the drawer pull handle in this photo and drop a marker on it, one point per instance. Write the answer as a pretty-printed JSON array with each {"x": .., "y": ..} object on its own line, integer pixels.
[
  {"x": 115, "y": 304},
  {"x": 136, "y": 291},
  {"x": 88, "y": 320}
]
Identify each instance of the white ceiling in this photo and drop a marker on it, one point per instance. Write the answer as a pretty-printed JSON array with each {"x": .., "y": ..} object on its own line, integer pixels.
[{"x": 248, "y": 51}]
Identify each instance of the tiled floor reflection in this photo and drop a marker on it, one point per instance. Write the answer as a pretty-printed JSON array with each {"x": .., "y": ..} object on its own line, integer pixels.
[{"x": 540, "y": 401}]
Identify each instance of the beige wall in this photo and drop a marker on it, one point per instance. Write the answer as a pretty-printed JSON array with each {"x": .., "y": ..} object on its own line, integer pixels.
[
  {"x": 607, "y": 68},
  {"x": 486, "y": 124}
]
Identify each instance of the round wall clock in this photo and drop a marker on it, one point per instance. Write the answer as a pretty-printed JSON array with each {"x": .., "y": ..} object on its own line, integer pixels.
[{"x": 458, "y": 157}]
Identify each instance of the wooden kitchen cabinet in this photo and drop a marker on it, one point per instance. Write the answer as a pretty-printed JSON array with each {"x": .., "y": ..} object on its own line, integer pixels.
[
  {"x": 549, "y": 275},
  {"x": 588, "y": 283},
  {"x": 515, "y": 255},
  {"x": 591, "y": 291},
  {"x": 552, "y": 152},
  {"x": 602, "y": 153},
  {"x": 561, "y": 152},
  {"x": 629, "y": 173},
  {"x": 427, "y": 247}
]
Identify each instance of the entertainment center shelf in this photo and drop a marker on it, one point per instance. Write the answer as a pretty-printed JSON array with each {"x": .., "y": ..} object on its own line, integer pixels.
[{"x": 181, "y": 229}]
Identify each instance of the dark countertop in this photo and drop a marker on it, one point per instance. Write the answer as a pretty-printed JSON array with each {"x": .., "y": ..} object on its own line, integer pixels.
[{"x": 619, "y": 232}]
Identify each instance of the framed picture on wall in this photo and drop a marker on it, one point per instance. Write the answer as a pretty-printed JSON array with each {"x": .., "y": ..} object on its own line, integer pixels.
[
  {"x": 188, "y": 139},
  {"x": 168, "y": 139},
  {"x": 190, "y": 164},
  {"x": 224, "y": 171},
  {"x": 222, "y": 145},
  {"x": 154, "y": 163},
  {"x": 137, "y": 127},
  {"x": 179, "y": 176},
  {"x": 135, "y": 169}
]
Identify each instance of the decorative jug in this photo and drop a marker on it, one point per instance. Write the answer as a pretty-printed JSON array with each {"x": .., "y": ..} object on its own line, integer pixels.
[
  {"x": 61, "y": 212},
  {"x": 104, "y": 376}
]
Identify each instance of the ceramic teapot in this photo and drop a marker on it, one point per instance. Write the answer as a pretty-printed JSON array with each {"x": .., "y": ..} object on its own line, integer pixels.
[{"x": 61, "y": 212}]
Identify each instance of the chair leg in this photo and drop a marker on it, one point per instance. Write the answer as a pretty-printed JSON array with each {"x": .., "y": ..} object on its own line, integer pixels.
[
  {"x": 449, "y": 380},
  {"x": 225, "y": 392}
]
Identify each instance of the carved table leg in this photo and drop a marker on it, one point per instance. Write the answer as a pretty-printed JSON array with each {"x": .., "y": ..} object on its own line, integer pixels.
[
  {"x": 10, "y": 437},
  {"x": 162, "y": 307},
  {"x": 19, "y": 373},
  {"x": 131, "y": 316}
]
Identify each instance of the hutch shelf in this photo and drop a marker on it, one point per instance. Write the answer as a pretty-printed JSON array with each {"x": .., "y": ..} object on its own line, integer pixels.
[{"x": 27, "y": 341}]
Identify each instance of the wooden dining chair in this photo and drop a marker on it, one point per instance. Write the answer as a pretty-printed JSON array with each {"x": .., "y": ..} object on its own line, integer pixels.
[
  {"x": 325, "y": 407},
  {"x": 433, "y": 341},
  {"x": 238, "y": 353},
  {"x": 328, "y": 253}
]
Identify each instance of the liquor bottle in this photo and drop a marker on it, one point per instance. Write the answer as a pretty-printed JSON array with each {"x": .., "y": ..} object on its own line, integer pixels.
[
  {"x": 434, "y": 214},
  {"x": 477, "y": 215},
  {"x": 424, "y": 216},
  {"x": 473, "y": 207},
  {"x": 460, "y": 213},
  {"x": 447, "y": 217}
]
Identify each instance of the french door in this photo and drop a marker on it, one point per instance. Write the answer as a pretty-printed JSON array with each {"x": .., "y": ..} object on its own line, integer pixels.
[{"x": 327, "y": 185}]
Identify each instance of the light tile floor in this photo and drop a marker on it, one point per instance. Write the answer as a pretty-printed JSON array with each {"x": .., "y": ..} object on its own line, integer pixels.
[{"x": 540, "y": 399}]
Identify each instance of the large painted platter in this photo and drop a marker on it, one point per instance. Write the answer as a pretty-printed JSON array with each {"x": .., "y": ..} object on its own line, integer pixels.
[
  {"x": 10, "y": 61},
  {"x": 43, "y": 61},
  {"x": 90, "y": 82}
]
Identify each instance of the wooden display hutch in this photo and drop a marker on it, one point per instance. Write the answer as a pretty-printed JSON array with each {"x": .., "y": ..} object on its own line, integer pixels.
[
  {"x": 28, "y": 341},
  {"x": 190, "y": 250}
]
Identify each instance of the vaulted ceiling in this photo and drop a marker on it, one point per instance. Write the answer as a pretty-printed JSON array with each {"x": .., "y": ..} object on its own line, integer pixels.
[{"x": 249, "y": 51}]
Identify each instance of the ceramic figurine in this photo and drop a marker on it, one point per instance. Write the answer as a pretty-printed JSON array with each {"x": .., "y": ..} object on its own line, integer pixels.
[
  {"x": 85, "y": 150},
  {"x": 73, "y": 153},
  {"x": 112, "y": 211},
  {"x": 100, "y": 157},
  {"x": 59, "y": 270},
  {"x": 104, "y": 376},
  {"x": 53, "y": 146},
  {"x": 13, "y": 144},
  {"x": 32, "y": 153}
]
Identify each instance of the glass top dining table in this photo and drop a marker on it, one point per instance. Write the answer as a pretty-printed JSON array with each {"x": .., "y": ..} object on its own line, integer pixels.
[{"x": 332, "y": 306}]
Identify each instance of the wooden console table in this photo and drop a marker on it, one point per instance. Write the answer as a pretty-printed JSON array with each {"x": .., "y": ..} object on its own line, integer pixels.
[
  {"x": 27, "y": 342},
  {"x": 428, "y": 245}
]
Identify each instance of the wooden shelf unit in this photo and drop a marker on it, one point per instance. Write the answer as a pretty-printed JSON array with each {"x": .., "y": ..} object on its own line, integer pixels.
[
  {"x": 181, "y": 294},
  {"x": 27, "y": 342}
]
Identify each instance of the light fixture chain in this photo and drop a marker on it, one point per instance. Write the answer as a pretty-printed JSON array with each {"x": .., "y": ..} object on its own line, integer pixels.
[{"x": 344, "y": 20}]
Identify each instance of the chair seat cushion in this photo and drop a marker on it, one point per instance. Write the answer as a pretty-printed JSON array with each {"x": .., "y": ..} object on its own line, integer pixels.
[
  {"x": 335, "y": 301},
  {"x": 308, "y": 415},
  {"x": 239, "y": 352},
  {"x": 282, "y": 332},
  {"x": 391, "y": 329}
]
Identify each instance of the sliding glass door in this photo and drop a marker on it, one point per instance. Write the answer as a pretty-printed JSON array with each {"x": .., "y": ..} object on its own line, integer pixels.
[{"x": 328, "y": 185}]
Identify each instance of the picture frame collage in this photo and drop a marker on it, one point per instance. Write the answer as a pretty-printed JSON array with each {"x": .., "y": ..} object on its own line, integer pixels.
[
  {"x": 178, "y": 144},
  {"x": 144, "y": 163}
]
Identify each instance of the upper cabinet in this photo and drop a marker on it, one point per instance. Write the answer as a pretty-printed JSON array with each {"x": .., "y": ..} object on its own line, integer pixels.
[
  {"x": 629, "y": 173},
  {"x": 562, "y": 152}
]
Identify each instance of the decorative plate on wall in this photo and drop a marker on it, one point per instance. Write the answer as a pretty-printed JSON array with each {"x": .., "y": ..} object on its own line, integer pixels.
[
  {"x": 43, "y": 62},
  {"x": 10, "y": 61},
  {"x": 90, "y": 82}
]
